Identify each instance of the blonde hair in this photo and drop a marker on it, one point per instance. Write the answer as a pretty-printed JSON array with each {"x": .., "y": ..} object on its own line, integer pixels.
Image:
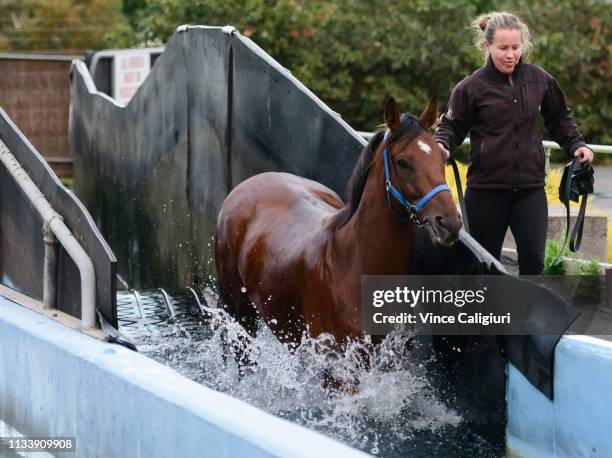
[{"x": 487, "y": 24}]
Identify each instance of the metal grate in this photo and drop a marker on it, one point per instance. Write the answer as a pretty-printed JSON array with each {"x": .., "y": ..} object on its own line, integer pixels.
[{"x": 152, "y": 311}]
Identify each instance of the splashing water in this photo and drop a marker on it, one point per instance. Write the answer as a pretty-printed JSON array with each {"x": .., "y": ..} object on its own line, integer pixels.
[{"x": 393, "y": 404}]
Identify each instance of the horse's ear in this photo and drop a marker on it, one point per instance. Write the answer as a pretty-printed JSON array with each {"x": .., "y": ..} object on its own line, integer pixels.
[
  {"x": 392, "y": 115},
  {"x": 429, "y": 116}
]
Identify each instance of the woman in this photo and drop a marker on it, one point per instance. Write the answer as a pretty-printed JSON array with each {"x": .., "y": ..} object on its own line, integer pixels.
[{"x": 498, "y": 105}]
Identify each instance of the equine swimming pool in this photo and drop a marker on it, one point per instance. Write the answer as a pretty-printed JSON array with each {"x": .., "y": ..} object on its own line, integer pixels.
[
  {"x": 56, "y": 381},
  {"x": 397, "y": 412}
]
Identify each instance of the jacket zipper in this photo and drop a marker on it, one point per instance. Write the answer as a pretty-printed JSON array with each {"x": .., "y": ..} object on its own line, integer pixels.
[{"x": 515, "y": 177}]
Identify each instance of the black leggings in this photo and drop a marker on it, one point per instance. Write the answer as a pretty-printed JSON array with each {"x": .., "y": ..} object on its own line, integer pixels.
[{"x": 490, "y": 212}]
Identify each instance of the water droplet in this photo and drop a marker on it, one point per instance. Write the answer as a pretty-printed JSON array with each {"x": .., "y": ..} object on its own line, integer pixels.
[{"x": 243, "y": 289}]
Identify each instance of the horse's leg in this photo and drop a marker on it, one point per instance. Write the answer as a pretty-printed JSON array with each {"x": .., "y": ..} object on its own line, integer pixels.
[
  {"x": 245, "y": 313},
  {"x": 238, "y": 305},
  {"x": 347, "y": 380},
  {"x": 236, "y": 302}
]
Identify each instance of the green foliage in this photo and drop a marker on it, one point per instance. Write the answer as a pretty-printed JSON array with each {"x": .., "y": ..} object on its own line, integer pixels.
[
  {"x": 353, "y": 53},
  {"x": 131, "y": 7},
  {"x": 588, "y": 281},
  {"x": 584, "y": 279},
  {"x": 554, "y": 264},
  {"x": 57, "y": 24},
  {"x": 588, "y": 268},
  {"x": 68, "y": 182},
  {"x": 121, "y": 36}
]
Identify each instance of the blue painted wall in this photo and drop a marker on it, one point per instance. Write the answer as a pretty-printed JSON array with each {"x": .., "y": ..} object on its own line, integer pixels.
[
  {"x": 58, "y": 382},
  {"x": 579, "y": 421}
]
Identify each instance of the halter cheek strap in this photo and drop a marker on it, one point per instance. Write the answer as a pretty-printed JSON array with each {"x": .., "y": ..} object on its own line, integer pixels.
[{"x": 412, "y": 209}]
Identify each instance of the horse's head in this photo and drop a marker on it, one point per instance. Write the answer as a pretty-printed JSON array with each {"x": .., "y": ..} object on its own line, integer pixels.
[{"x": 414, "y": 172}]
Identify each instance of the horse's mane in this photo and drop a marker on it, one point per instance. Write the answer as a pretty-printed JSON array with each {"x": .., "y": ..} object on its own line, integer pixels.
[{"x": 356, "y": 184}]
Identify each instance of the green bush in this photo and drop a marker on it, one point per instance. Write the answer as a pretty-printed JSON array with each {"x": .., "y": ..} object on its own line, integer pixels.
[
  {"x": 588, "y": 268},
  {"x": 556, "y": 265},
  {"x": 588, "y": 280},
  {"x": 553, "y": 263},
  {"x": 353, "y": 53}
]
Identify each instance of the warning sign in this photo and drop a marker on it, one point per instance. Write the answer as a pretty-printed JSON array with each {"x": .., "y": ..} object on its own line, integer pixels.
[{"x": 130, "y": 68}]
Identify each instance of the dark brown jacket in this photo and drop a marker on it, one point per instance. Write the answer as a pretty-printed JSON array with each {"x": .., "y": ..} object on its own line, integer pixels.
[{"x": 502, "y": 121}]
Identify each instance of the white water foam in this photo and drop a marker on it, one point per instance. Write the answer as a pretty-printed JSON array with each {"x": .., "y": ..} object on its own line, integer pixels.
[{"x": 393, "y": 401}]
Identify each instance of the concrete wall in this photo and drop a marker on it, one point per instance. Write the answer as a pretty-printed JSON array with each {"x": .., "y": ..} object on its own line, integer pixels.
[
  {"x": 117, "y": 403},
  {"x": 579, "y": 421}
]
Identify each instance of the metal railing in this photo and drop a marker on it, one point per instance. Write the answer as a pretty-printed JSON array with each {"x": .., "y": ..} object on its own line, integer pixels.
[
  {"x": 55, "y": 230},
  {"x": 549, "y": 145}
]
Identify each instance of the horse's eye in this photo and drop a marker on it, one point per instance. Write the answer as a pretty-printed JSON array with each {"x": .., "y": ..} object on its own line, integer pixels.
[{"x": 403, "y": 164}]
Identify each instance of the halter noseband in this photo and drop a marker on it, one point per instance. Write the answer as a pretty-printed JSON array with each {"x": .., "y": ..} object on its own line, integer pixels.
[{"x": 413, "y": 209}]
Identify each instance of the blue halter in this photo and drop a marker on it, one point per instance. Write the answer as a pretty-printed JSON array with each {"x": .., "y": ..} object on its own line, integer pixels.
[{"x": 412, "y": 209}]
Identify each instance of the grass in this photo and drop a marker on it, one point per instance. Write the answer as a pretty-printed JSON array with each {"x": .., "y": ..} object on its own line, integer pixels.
[
  {"x": 553, "y": 263},
  {"x": 588, "y": 268}
]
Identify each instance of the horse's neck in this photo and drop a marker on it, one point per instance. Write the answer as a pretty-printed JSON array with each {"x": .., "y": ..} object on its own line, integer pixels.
[{"x": 376, "y": 241}]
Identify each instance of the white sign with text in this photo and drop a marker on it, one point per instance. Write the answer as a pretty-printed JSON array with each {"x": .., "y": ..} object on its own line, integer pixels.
[{"x": 130, "y": 68}]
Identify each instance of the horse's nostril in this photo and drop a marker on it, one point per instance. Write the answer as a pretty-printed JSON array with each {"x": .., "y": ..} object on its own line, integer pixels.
[
  {"x": 443, "y": 222},
  {"x": 450, "y": 225}
]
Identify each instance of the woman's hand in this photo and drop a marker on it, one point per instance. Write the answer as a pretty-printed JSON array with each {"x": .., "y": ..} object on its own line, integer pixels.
[{"x": 586, "y": 155}]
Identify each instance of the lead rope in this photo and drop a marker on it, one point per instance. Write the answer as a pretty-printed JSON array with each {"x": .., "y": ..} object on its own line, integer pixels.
[
  {"x": 576, "y": 238},
  {"x": 464, "y": 216}
]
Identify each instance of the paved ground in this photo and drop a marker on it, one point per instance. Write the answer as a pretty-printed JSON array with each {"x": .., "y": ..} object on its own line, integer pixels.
[{"x": 602, "y": 199}]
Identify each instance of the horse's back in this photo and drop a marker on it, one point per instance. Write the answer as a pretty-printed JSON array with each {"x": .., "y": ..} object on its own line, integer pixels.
[
  {"x": 279, "y": 210},
  {"x": 269, "y": 226},
  {"x": 277, "y": 197},
  {"x": 278, "y": 188}
]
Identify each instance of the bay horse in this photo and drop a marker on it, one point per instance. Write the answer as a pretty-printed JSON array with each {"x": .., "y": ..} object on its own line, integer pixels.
[{"x": 289, "y": 251}]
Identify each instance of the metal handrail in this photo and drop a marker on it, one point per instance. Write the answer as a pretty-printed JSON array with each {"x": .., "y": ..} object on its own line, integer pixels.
[
  {"x": 55, "y": 228},
  {"x": 548, "y": 145}
]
